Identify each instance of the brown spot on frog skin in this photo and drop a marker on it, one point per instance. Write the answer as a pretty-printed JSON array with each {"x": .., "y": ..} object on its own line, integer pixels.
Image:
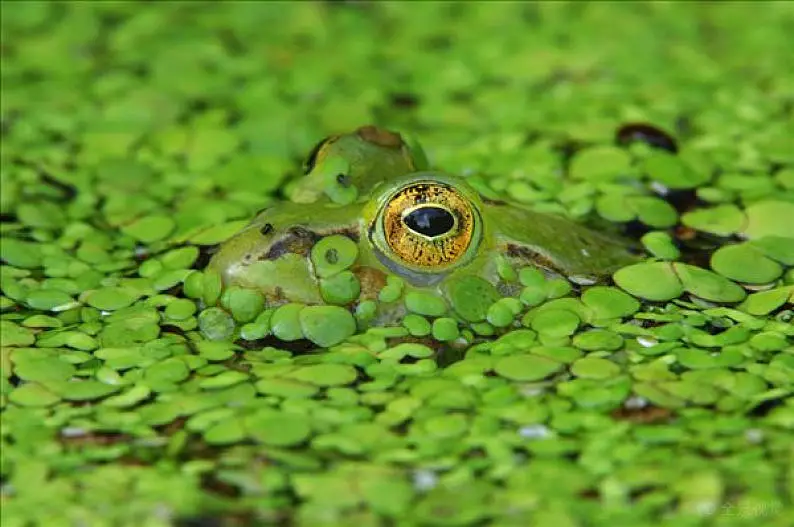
[
  {"x": 297, "y": 240},
  {"x": 372, "y": 281},
  {"x": 380, "y": 137},
  {"x": 351, "y": 233}
]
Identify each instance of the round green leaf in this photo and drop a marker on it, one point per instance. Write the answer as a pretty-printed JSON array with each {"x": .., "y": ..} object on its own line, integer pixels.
[
  {"x": 218, "y": 233},
  {"x": 325, "y": 374},
  {"x": 341, "y": 289},
  {"x": 49, "y": 300},
  {"x": 708, "y": 285},
  {"x": 445, "y": 329},
  {"x": 326, "y": 325},
  {"x": 745, "y": 263},
  {"x": 654, "y": 281},
  {"x": 424, "y": 303},
  {"x": 150, "y": 228},
  {"x": 594, "y": 368},
  {"x": 278, "y": 430},
  {"x": 333, "y": 254},
  {"x": 609, "y": 302},
  {"x": 770, "y": 218},
  {"x": 285, "y": 322},
  {"x": 555, "y": 323},
  {"x": 722, "y": 220},
  {"x": 526, "y": 367},
  {"x": 245, "y": 304},
  {"x": 111, "y": 298},
  {"x": 672, "y": 171},
  {"x": 31, "y": 394},
  {"x": 216, "y": 324},
  {"x": 601, "y": 163},
  {"x": 661, "y": 245}
]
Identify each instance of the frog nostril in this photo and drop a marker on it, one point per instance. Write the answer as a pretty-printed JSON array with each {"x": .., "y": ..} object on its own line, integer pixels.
[
  {"x": 430, "y": 221},
  {"x": 266, "y": 229}
]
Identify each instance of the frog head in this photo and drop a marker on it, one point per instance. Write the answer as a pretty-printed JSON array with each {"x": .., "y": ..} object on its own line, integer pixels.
[{"x": 427, "y": 230}]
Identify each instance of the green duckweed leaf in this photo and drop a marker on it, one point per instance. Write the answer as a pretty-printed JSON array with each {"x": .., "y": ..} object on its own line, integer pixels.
[
  {"x": 325, "y": 374},
  {"x": 111, "y": 298},
  {"x": 244, "y": 304},
  {"x": 609, "y": 302},
  {"x": 555, "y": 323},
  {"x": 34, "y": 395},
  {"x": 722, "y": 220},
  {"x": 20, "y": 253},
  {"x": 13, "y": 335},
  {"x": 445, "y": 329},
  {"x": 708, "y": 285},
  {"x": 526, "y": 367},
  {"x": 601, "y": 163},
  {"x": 417, "y": 325},
  {"x": 84, "y": 390},
  {"x": 218, "y": 233},
  {"x": 765, "y": 302},
  {"x": 216, "y": 324},
  {"x": 656, "y": 281},
  {"x": 661, "y": 245},
  {"x": 673, "y": 172},
  {"x": 594, "y": 368},
  {"x": 285, "y": 322},
  {"x": 326, "y": 325},
  {"x": 769, "y": 218},
  {"x": 333, "y": 254},
  {"x": 778, "y": 248},
  {"x": 150, "y": 228},
  {"x": 424, "y": 303},
  {"x": 745, "y": 263},
  {"x": 279, "y": 430},
  {"x": 342, "y": 288}
]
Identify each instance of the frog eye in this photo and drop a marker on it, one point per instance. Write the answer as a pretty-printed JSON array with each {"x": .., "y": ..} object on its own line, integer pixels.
[{"x": 427, "y": 225}]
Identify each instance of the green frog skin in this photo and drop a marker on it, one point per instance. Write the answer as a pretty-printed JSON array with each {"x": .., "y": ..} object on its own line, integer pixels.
[
  {"x": 345, "y": 168},
  {"x": 429, "y": 229}
]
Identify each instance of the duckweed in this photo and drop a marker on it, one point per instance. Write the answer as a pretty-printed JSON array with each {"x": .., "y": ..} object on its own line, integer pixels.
[{"x": 137, "y": 389}]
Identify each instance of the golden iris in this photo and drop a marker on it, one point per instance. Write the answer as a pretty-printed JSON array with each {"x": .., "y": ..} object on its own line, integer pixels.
[{"x": 428, "y": 224}]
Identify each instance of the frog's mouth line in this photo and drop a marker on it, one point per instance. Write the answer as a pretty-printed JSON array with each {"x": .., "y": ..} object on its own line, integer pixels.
[
  {"x": 538, "y": 259},
  {"x": 544, "y": 263}
]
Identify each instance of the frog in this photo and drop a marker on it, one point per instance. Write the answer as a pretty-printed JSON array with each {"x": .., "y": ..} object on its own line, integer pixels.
[{"x": 409, "y": 239}]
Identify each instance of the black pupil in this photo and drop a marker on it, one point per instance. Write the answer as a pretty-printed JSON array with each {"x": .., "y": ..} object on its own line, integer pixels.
[{"x": 430, "y": 221}]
